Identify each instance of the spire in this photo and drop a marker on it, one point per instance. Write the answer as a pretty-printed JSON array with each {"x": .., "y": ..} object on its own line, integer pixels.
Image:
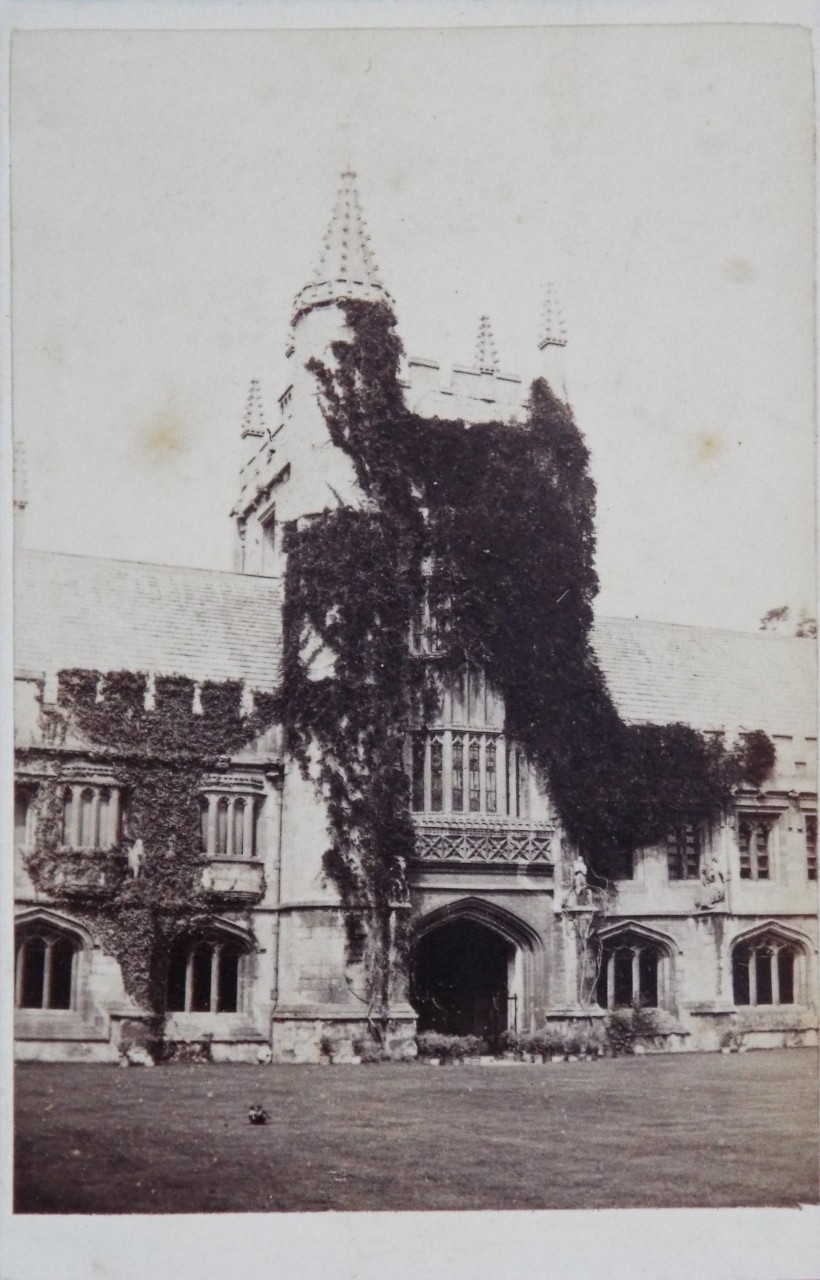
[
  {"x": 253, "y": 421},
  {"x": 486, "y": 360},
  {"x": 346, "y": 266},
  {"x": 554, "y": 326}
]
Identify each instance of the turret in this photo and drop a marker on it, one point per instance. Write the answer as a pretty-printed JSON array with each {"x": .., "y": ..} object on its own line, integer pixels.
[
  {"x": 295, "y": 469},
  {"x": 553, "y": 341}
]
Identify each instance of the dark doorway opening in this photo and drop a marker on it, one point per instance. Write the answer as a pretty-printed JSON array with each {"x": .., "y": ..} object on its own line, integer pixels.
[{"x": 459, "y": 981}]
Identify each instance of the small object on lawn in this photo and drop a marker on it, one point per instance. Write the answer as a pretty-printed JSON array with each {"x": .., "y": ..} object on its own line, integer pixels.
[{"x": 258, "y": 1115}]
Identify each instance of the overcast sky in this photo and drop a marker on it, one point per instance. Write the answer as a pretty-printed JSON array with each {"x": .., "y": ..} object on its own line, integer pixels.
[{"x": 170, "y": 191}]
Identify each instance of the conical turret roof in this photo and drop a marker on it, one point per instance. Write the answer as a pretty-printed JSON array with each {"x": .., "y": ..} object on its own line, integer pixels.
[
  {"x": 554, "y": 329},
  {"x": 486, "y": 360},
  {"x": 346, "y": 267},
  {"x": 253, "y": 420}
]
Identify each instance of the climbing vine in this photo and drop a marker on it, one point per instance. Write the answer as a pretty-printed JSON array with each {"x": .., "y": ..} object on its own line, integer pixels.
[
  {"x": 160, "y": 756},
  {"x": 493, "y": 526}
]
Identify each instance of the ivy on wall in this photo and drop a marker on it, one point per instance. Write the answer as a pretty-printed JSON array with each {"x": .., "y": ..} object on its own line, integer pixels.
[
  {"x": 494, "y": 525},
  {"x": 160, "y": 756}
]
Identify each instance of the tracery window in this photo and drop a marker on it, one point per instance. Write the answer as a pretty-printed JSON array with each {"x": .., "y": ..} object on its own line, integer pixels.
[
  {"x": 683, "y": 853},
  {"x": 92, "y": 817},
  {"x": 227, "y": 825},
  {"x": 753, "y": 838},
  {"x": 45, "y": 973},
  {"x": 458, "y": 772},
  {"x": 631, "y": 972},
  {"x": 204, "y": 975},
  {"x": 765, "y": 971}
]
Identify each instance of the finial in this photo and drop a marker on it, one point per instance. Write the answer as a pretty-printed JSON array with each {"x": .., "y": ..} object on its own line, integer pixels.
[
  {"x": 554, "y": 332},
  {"x": 253, "y": 420},
  {"x": 486, "y": 360},
  {"x": 346, "y": 267}
]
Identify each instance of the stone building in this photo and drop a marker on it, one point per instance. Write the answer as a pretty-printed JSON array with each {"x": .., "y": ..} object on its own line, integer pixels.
[{"x": 716, "y": 930}]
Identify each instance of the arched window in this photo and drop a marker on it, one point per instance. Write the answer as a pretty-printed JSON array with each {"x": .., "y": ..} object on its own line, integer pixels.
[
  {"x": 474, "y": 759},
  {"x": 222, "y": 826},
  {"x": 631, "y": 973},
  {"x": 436, "y": 775},
  {"x": 458, "y": 773},
  {"x": 68, "y": 816},
  {"x": 45, "y": 976},
  {"x": 491, "y": 803},
  {"x": 765, "y": 970},
  {"x": 204, "y": 975}
]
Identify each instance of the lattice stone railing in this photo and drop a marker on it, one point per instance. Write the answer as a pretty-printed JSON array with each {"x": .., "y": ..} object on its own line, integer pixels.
[{"x": 496, "y": 844}]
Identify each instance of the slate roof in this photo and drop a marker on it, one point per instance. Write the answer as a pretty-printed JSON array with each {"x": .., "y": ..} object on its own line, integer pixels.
[
  {"x": 80, "y": 611},
  {"x": 659, "y": 673},
  {"x": 110, "y": 615}
]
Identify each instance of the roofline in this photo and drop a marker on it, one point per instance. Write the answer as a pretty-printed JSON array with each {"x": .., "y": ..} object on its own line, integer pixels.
[
  {"x": 694, "y": 626},
  {"x": 145, "y": 564}
]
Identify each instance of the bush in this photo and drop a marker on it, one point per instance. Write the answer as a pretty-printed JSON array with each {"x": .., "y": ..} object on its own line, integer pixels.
[
  {"x": 432, "y": 1044},
  {"x": 367, "y": 1049},
  {"x": 619, "y": 1032}
]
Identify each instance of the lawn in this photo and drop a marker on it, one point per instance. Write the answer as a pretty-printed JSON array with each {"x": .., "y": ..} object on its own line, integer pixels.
[{"x": 689, "y": 1130}]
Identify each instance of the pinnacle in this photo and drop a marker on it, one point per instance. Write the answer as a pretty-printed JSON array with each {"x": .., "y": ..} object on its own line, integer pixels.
[
  {"x": 554, "y": 326},
  {"x": 486, "y": 360},
  {"x": 253, "y": 420},
  {"x": 347, "y": 267}
]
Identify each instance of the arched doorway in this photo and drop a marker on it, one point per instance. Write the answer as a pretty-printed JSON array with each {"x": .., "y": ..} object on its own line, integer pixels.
[{"x": 460, "y": 979}]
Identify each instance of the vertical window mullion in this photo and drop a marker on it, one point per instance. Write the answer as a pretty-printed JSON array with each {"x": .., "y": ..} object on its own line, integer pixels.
[{"x": 47, "y": 967}]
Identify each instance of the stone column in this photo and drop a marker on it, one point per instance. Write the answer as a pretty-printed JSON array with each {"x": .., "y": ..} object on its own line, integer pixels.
[
  {"x": 230, "y": 815},
  {"x": 189, "y": 981},
  {"x": 248, "y": 843},
  {"x": 113, "y": 837},
  {"x": 47, "y": 966},
  {"x": 636, "y": 974},
  {"x": 610, "y": 980},
  {"x": 753, "y": 976},
  {"x": 76, "y": 816},
  {"x": 215, "y": 958}
]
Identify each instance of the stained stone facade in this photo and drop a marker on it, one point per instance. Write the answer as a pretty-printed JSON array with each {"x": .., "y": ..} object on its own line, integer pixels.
[{"x": 716, "y": 930}]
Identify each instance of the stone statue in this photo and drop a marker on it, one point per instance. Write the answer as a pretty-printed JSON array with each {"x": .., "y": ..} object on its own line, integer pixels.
[
  {"x": 135, "y": 857},
  {"x": 712, "y": 885}
]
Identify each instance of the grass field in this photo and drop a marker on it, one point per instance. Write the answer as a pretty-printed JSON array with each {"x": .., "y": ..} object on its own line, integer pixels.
[{"x": 691, "y": 1130}]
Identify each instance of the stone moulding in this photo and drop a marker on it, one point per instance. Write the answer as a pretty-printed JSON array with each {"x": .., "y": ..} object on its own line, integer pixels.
[{"x": 505, "y": 844}]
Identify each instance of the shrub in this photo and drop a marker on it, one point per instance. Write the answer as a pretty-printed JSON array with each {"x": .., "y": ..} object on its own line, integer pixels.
[
  {"x": 619, "y": 1032},
  {"x": 368, "y": 1050},
  {"x": 432, "y": 1044},
  {"x": 548, "y": 1041}
]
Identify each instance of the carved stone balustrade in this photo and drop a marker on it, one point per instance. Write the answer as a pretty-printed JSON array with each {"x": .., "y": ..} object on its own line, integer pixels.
[{"x": 496, "y": 845}]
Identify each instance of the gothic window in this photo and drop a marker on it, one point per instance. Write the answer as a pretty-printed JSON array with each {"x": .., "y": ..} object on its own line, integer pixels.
[
  {"x": 811, "y": 846},
  {"x": 764, "y": 971},
  {"x": 418, "y": 749},
  {"x": 474, "y": 759},
  {"x": 45, "y": 969},
  {"x": 436, "y": 775},
  {"x": 458, "y": 772},
  {"x": 92, "y": 817},
  {"x": 204, "y": 975},
  {"x": 227, "y": 825},
  {"x": 630, "y": 973},
  {"x": 753, "y": 835},
  {"x": 473, "y": 773},
  {"x": 683, "y": 853},
  {"x": 490, "y": 777}
]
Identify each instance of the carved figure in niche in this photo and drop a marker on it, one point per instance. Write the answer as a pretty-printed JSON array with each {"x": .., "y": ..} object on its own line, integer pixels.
[
  {"x": 580, "y": 887},
  {"x": 135, "y": 857},
  {"x": 712, "y": 886}
]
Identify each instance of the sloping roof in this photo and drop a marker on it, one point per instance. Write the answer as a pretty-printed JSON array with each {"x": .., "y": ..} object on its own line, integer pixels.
[
  {"x": 659, "y": 673},
  {"x": 79, "y": 611},
  {"x": 110, "y": 615}
]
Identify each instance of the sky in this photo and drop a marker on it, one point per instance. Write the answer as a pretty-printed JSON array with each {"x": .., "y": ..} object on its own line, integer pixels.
[{"x": 170, "y": 191}]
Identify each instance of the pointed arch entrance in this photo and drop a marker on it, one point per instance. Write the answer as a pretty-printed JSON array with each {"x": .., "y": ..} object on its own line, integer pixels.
[{"x": 467, "y": 966}]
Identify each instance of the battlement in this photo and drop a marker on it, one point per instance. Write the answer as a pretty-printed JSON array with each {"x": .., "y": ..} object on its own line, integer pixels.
[{"x": 476, "y": 394}]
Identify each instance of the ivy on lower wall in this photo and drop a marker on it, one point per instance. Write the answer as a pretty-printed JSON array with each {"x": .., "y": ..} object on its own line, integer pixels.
[
  {"x": 159, "y": 756},
  {"x": 494, "y": 525}
]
